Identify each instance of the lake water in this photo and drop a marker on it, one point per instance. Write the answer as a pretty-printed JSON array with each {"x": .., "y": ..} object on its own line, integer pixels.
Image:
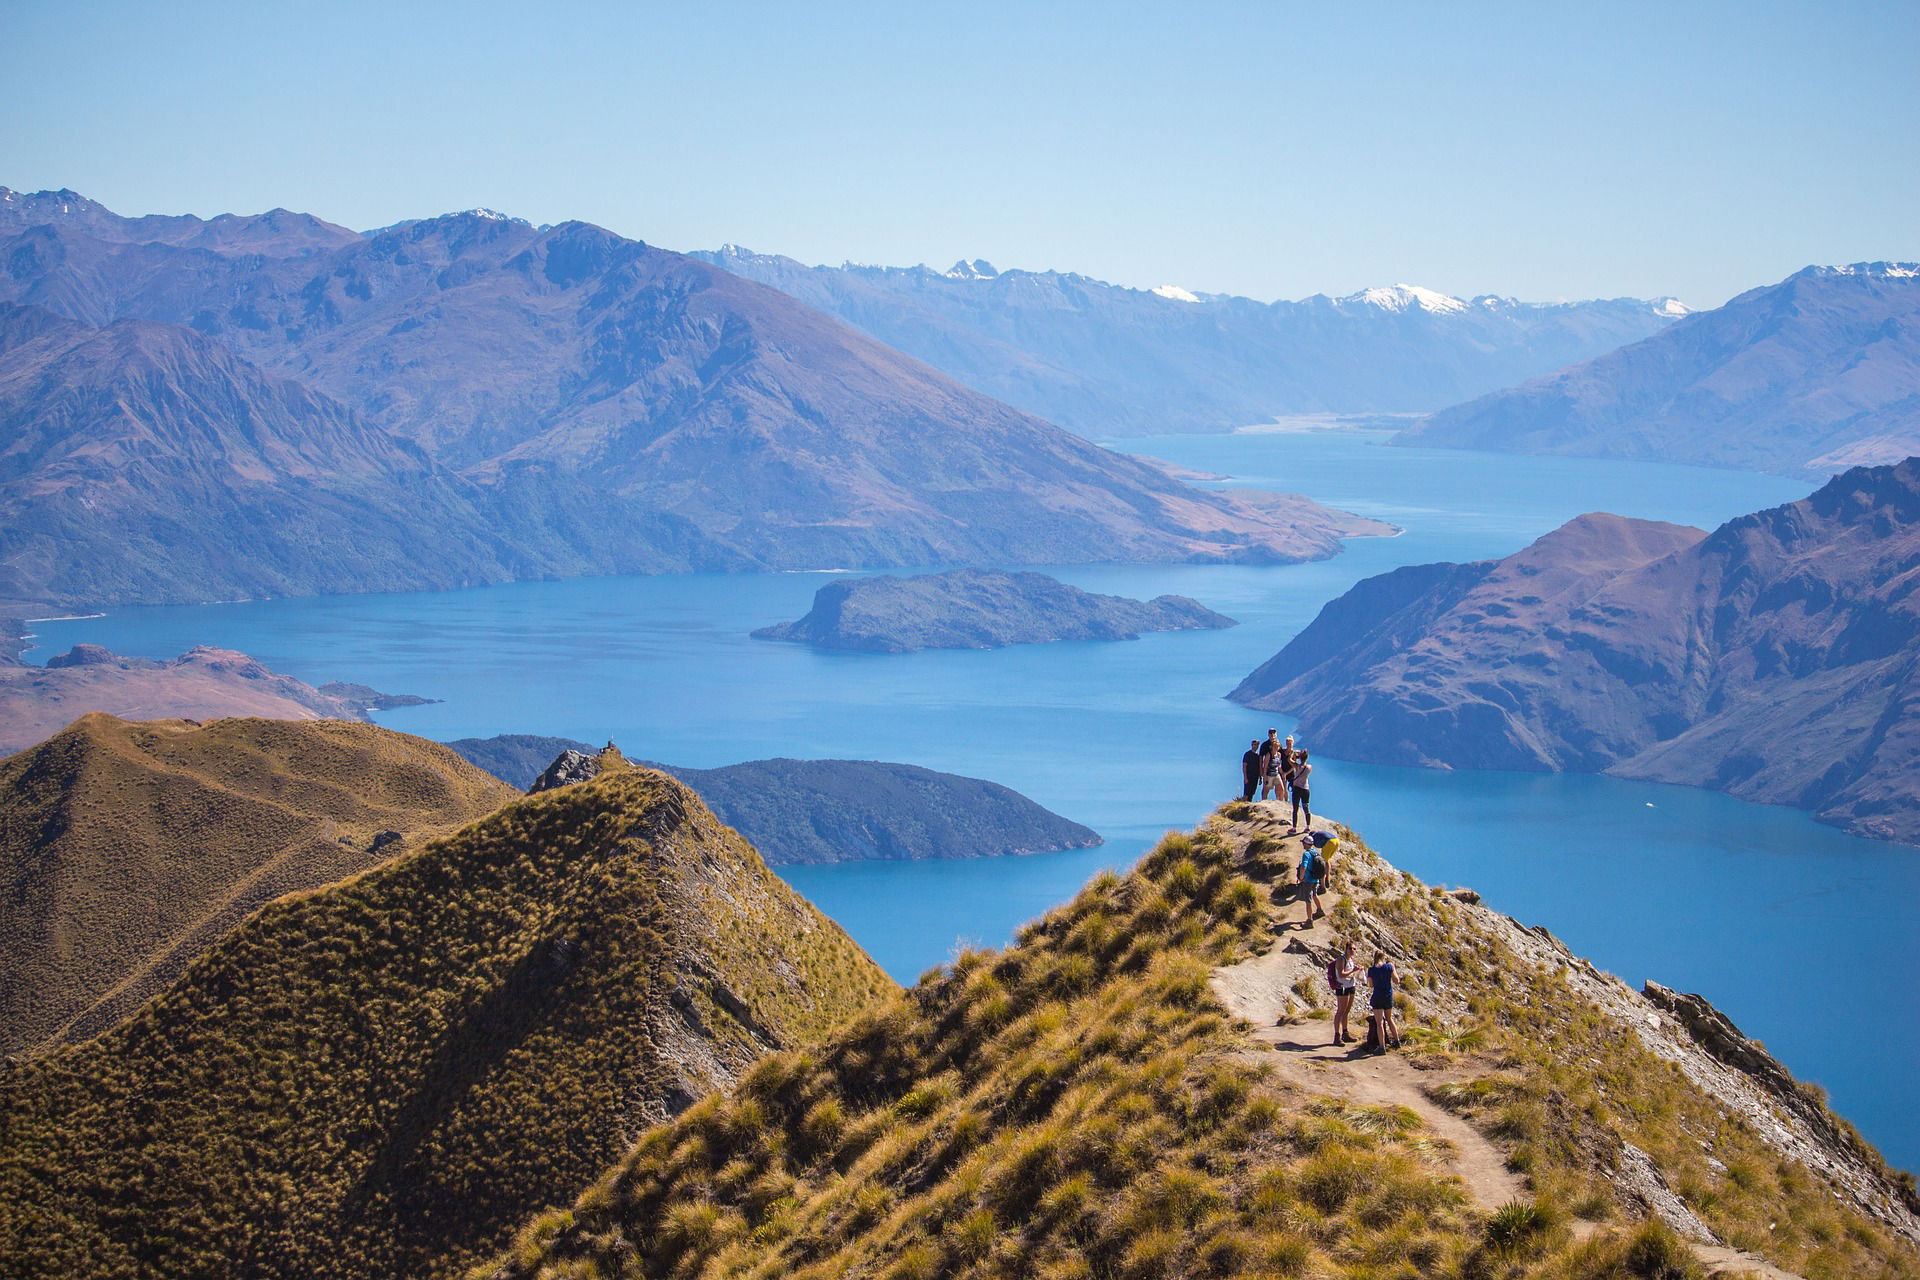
[{"x": 1796, "y": 931}]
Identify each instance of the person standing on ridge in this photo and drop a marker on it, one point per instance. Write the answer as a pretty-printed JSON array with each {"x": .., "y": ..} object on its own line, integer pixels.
[
  {"x": 1302, "y": 794},
  {"x": 1345, "y": 972},
  {"x": 1316, "y": 865},
  {"x": 1250, "y": 770},
  {"x": 1270, "y": 765},
  {"x": 1381, "y": 1030},
  {"x": 1289, "y": 759}
]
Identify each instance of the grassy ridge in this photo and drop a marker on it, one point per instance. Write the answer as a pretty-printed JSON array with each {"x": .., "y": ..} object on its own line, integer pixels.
[
  {"x": 1080, "y": 1105},
  {"x": 384, "y": 1076},
  {"x": 126, "y": 848}
]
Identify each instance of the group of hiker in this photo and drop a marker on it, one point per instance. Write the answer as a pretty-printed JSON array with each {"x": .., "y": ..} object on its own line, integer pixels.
[{"x": 1278, "y": 769}]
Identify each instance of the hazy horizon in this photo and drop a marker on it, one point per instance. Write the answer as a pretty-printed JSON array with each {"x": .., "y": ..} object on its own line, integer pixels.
[{"x": 1248, "y": 149}]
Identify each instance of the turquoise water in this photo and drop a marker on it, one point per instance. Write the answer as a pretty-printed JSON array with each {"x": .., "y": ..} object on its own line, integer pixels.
[{"x": 1778, "y": 920}]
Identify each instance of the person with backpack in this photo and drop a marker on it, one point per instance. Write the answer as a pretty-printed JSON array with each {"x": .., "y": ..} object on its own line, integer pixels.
[
  {"x": 1302, "y": 797},
  {"x": 1381, "y": 1031},
  {"x": 1314, "y": 866},
  {"x": 1250, "y": 770},
  {"x": 1343, "y": 976}
]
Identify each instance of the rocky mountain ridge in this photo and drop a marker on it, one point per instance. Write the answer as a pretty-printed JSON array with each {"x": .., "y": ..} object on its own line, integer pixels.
[
  {"x": 1812, "y": 375},
  {"x": 545, "y": 400},
  {"x": 1109, "y": 361},
  {"x": 1777, "y": 658}
]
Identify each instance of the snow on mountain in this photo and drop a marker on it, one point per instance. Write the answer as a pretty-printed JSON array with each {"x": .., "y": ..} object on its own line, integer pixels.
[
  {"x": 1671, "y": 307},
  {"x": 1175, "y": 292},
  {"x": 1402, "y": 296},
  {"x": 978, "y": 269}
]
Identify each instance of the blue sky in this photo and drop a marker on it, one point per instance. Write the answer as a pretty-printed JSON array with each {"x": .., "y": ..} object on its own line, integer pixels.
[{"x": 1544, "y": 150}]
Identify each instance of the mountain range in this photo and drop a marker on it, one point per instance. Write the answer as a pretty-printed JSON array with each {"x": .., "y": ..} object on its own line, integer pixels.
[
  {"x": 1812, "y": 375},
  {"x": 469, "y": 398},
  {"x": 1776, "y": 658},
  {"x": 1109, "y": 361}
]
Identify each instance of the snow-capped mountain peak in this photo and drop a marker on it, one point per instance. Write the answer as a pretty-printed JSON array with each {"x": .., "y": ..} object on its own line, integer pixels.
[
  {"x": 1175, "y": 292},
  {"x": 978, "y": 269},
  {"x": 1671, "y": 307},
  {"x": 1402, "y": 296}
]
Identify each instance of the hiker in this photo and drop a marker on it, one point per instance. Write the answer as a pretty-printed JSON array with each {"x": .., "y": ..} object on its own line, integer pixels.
[
  {"x": 1302, "y": 797},
  {"x": 1315, "y": 866},
  {"x": 1343, "y": 975},
  {"x": 1381, "y": 1031},
  {"x": 1250, "y": 770},
  {"x": 1270, "y": 765}
]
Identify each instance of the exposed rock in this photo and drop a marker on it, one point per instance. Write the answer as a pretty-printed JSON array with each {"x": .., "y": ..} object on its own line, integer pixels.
[
  {"x": 1467, "y": 896},
  {"x": 567, "y": 769},
  {"x": 93, "y": 655},
  {"x": 1777, "y": 659},
  {"x": 979, "y": 609}
]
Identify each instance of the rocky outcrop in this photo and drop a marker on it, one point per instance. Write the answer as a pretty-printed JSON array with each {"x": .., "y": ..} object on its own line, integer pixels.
[
  {"x": 1777, "y": 658},
  {"x": 201, "y": 684},
  {"x": 979, "y": 609},
  {"x": 568, "y": 768},
  {"x": 1811, "y": 375}
]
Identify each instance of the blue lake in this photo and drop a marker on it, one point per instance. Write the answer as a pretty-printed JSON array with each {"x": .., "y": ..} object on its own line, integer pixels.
[{"x": 1777, "y": 919}]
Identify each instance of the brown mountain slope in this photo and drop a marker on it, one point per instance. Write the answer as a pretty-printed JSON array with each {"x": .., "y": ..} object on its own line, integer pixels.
[
  {"x": 128, "y": 849},
  {"x": 381, "y": 1077},
  {"x": 700, "y": 420},
  {"x": 202, "y": 684},
  {"x": 1111, "y": 1097},
  {"x": 145, "y": 462},
  {"x": 1777, "y": 658}
]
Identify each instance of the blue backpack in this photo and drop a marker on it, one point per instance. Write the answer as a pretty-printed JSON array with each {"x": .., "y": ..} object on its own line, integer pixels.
[{"x": 1310, "y": 864}]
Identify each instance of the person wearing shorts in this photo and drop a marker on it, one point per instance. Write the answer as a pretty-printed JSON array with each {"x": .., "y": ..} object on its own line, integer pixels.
[
  {"x": 1346, "y": 974},
  {"x": 1383, "y": 1032},
  {"x": 1270, "y": 779}
]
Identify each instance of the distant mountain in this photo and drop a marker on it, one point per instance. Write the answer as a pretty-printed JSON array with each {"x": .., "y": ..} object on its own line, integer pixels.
[
  {"x": 1812, "y": 375},
  {"x": 816, "y": 811},
  {"x": 128, "y": 848},
  {"x": 569, "y": 401},
  {"x": 1777, "y": 658},
  {"x": 146, "y": 462},
  {"x": 201, "y": 684},
  {"x": 276, "y": 233},
  {"x": 381, "y": 1078},
  {"x": 979, "y": 609},
  {"x": 1106, "y": 361}
]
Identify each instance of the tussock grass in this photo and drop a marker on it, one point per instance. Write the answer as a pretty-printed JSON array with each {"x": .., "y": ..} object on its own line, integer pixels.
[{"x": 387, "y": 1076}]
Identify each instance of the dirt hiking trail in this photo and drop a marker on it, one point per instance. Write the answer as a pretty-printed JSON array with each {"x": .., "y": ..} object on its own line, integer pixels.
[{"x": 1300, "y": 1048}]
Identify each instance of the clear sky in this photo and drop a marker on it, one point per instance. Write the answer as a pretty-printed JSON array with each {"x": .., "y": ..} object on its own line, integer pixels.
[{"x": 1542, "y": 149}]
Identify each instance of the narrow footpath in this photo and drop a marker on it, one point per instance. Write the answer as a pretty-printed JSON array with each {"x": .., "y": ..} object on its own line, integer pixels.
[{"x": 1262, "y": 991}]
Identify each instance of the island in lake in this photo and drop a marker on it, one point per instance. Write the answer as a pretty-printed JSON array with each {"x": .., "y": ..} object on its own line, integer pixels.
[{"x": 979, "y": 609}]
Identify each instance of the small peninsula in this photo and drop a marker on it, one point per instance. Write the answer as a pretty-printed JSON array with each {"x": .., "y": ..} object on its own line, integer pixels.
[
  {"x": 979, "y": 609},
  {"x": 201, "y": 684},
  {"x": 818, "y": 811}
]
